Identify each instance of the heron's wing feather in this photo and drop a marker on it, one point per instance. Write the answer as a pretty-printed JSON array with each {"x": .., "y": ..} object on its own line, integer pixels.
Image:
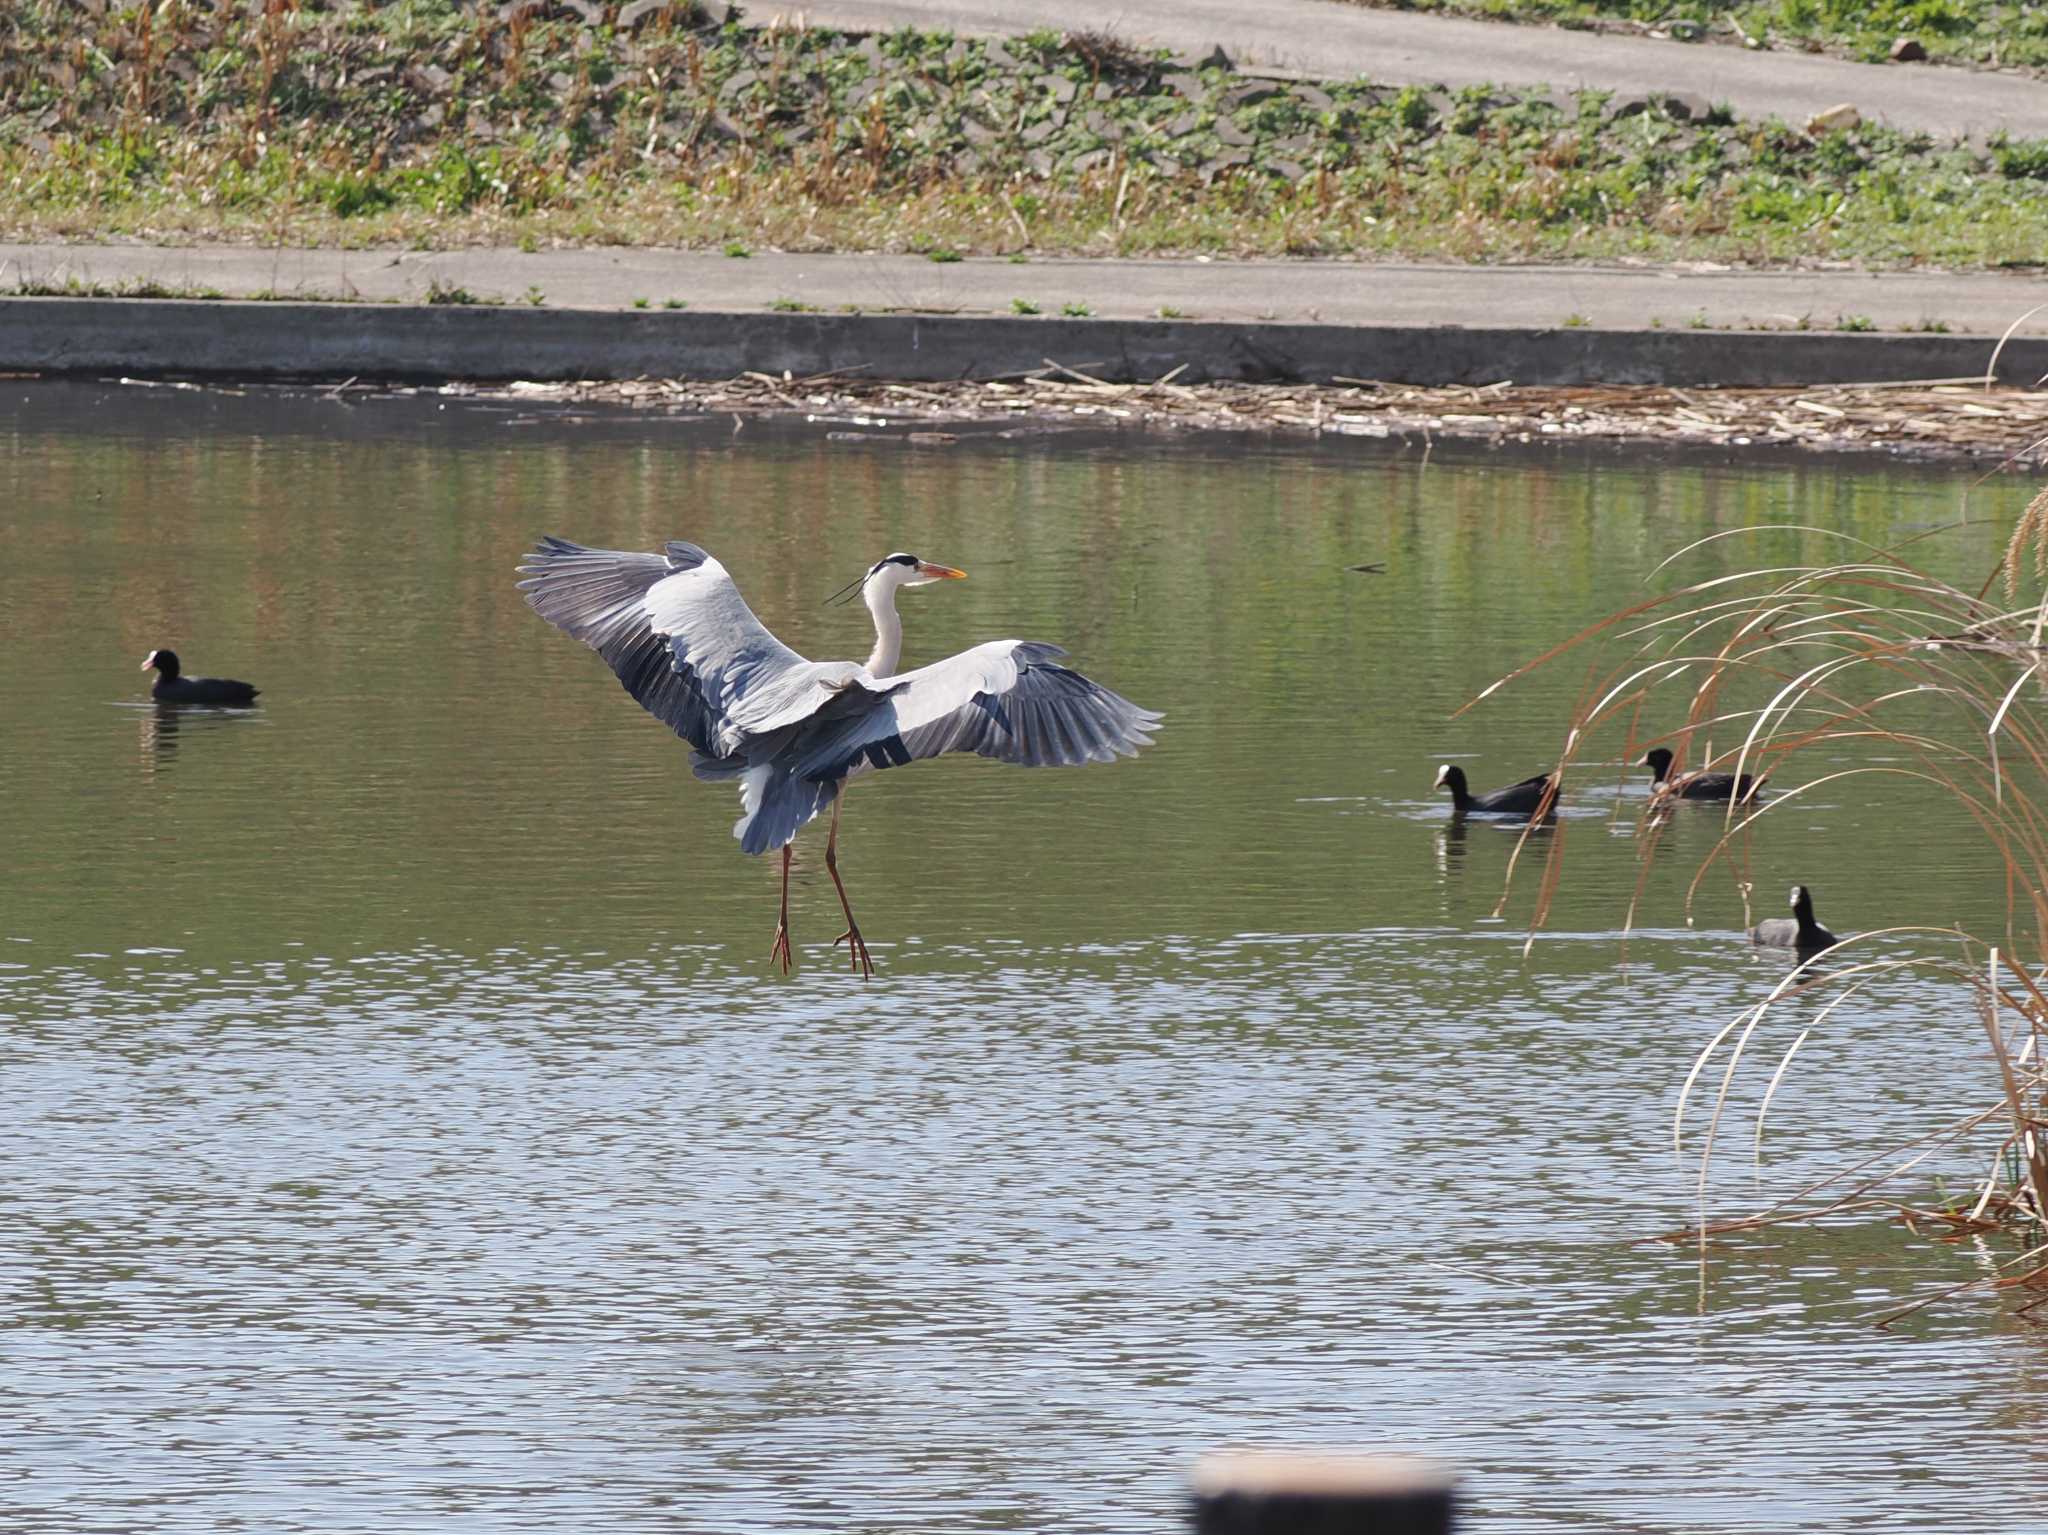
[
  {"x": 682, "y": 640},
  {"x": 1006, "y": 699}
]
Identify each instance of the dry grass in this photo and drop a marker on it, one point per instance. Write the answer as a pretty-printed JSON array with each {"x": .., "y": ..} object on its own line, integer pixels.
[{"x": 1936, "y": 685}]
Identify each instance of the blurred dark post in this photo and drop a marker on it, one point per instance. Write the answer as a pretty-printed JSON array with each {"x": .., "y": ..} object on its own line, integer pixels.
[{"x": 1320, "y": 1492}]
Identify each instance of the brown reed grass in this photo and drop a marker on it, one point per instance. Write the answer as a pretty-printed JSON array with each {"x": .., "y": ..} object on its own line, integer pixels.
[{"x": 1868, "y": 654}]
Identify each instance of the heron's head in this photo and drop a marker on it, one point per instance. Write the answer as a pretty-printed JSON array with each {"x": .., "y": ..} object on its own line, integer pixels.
[
  {"x": 909, "y": 570},
  {"x": 896, "y": 570}
]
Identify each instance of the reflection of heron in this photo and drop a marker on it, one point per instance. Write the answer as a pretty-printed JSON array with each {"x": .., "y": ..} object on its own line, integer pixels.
[{"x": 792, "y": 732}]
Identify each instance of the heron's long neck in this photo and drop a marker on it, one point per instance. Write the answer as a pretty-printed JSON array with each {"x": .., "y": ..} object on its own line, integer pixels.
[{"x": 881, "y": 599}]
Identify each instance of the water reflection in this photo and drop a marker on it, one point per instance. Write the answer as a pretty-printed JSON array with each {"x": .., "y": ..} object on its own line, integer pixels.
[
  {"x": 399, "y": 1086},
  {"x": 161, "y": 725}
]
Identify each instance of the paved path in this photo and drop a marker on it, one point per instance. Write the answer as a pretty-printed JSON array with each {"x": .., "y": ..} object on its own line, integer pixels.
[
  {"x": 1328, "y": 39},
  {"x": 1326, "y": 292}
]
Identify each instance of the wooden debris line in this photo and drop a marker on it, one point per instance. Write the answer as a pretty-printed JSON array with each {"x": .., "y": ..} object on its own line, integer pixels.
[{"x": 1926, "y": 418}]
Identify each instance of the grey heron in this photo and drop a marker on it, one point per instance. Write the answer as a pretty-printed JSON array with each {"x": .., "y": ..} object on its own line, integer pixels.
[{"x": 792, "y": 732}]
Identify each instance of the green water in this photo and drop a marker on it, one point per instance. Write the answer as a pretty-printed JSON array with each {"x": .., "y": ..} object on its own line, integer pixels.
[{"x": 407, "y": 1126}]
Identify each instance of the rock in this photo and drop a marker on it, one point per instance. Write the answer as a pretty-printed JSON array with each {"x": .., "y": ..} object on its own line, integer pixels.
[
  {"x": 1687, "y": 107},
  {"x": 1907, "y": 50},
  {"x": 1836, "y": 119},
  {"x": 640, "y": 10},
  {"x": 994, "y": 51},
  {"x": 1629, "y": 105},
  {"x": 1211, "y": 169},
  {"x": 1687, "y": 31},
  {"x": 1040, "y": 131},
  {"x": 1314, "y": 97},
  {"x": 1060, "y": 88},
  {"x": 1289, "y": 170},
  {"x": 1228, "y": 131},
  {"x": 427, "y": 79},
  {"x": 1252, "y": 93},
  {"x": 739, "y": 82},
  {"x": 1295, "y": 144},
  {"x": 1088, "y": 161},
  {"x": 1039, "y": 162},
  {"x": 1215, "y": 58},
  {"x": 1190, "y": 86},
  {"x": 976, "y": 133},
  {"x": 1181, "y": 126}
]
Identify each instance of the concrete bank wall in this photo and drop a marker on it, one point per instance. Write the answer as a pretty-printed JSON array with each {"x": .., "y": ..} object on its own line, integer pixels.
[{"x": 333, "y": 341}]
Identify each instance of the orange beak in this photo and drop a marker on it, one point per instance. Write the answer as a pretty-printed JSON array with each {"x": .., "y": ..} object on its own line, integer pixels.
[{"x": 940, "y": 572}]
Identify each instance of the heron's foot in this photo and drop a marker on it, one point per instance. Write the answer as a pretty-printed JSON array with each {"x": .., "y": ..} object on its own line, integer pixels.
[
  {"x": 856, "y": 951},
  {"x": 778, "y": 951}
]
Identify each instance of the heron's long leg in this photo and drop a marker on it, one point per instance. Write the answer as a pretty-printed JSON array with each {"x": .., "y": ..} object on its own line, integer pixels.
[
  {"x": 856, "y": 948},
  {"x": 779, "y": 950}
]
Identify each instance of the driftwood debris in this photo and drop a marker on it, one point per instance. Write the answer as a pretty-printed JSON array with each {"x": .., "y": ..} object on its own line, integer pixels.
[{"x": 1929, "y": 418}]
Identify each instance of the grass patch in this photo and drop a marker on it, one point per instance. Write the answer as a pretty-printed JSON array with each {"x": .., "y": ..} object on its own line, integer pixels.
[
  {"x": 134, "y": 287},
  {"x": 430, "y": 124},
  {"x": 440, "y": 291}
]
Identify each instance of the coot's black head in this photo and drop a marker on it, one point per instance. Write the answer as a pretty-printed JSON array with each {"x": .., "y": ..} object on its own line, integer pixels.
[
  {"x": 1452, "y": 775},
  {"x": 1658, "y": 760},
  {"x": 1801, "y": 897},
  {"x": 165, "y": 661}
]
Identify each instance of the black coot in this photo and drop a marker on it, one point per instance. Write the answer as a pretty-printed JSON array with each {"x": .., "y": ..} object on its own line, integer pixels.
[
  {"x": 1798, "y": 931},
  {"x": 171, "y": 688},
  {"x": 1696, "y": 785},
  {"x": 1516, "y": 799}
]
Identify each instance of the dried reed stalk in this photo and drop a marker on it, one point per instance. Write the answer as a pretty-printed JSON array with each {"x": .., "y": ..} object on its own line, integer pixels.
[{"x": 1868, "y": 652}]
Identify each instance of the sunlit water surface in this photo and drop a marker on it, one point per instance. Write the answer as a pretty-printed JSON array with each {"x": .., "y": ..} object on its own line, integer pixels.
[{"x": 405, "y": 1129}]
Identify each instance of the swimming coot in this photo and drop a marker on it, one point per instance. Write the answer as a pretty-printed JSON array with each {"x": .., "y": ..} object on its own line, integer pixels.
[
  {"x": 1798, "y": 931},
  {"x": 1516, "y": 799},
  {"x": 1696, "y": 785},
  {"x": 171, "y": 688}
]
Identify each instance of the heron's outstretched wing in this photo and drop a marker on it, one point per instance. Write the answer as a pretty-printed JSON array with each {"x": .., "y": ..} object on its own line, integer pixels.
[
  {"x": 682, "y": 640},
  {"x": 1006, "y": 699}
]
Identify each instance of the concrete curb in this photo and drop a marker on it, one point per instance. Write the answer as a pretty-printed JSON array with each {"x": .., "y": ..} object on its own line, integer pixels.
[{"x": 417, "y": 342}]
